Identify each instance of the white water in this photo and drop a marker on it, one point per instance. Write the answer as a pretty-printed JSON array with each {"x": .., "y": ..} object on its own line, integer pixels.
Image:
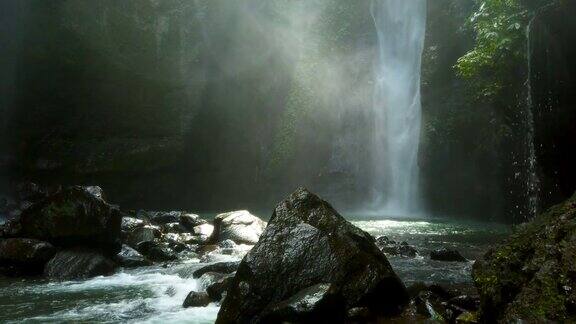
[{"x": 401, "y": 26}]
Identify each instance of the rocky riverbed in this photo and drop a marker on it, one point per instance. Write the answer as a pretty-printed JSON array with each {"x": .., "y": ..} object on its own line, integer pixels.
[{"x": 102, "y": 263}]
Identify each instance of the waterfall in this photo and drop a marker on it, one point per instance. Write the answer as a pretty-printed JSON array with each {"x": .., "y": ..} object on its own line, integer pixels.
[
  {"x": 532, "y": 179},
  {"x": 401, "y": 26}
]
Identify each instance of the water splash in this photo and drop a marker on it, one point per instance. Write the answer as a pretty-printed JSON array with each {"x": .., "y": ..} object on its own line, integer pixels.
[{"x": 401, "y": 27}]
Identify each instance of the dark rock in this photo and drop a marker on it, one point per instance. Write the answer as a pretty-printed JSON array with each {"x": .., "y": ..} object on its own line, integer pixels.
[
  {"x": 156, "y": 252},
  {"x": 142, "y": 234},
  {"x": 390, "y": 247},
  {"x": 217, "y": 290},
  {"x": 239, "y": 226},
  {"x": 28, "y": 191},
  {"x": 531, "y": 276},
  {"x": 25, "y": 256},
  {"x": 227, "y": 244},
  {"x": 315, "y": 304},
  {"x": 78, "y": 263},
  {"x": 221, "y": 267},
  {"x": 74, "y": 217},
  {"x": 161, "y": 218},
  {"x": 196, "y": 299},
  {"x": 130, "y": 258},
  {"x": 467, "y": 302},
  {"x": 11, "y": 228},
  {"x": 447, "y": 255},
  {"x": 189, "y": 221},
  {"x": 307, "y": 243}
]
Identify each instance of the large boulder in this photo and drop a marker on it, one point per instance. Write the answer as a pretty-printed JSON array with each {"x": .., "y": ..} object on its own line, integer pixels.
[
  {"x": 78, "y": 263},
  {"x": 196, "y": 299},
  {"x": 238, "y": 226},
  {"x": 308, "y": 243},
  {"x": 531, "y": 276},
  {"x": 25, "y": 256},
  {"x": 74, "y": 217}
]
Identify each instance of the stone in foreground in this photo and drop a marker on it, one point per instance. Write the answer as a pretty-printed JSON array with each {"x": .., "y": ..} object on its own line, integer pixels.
[
  {"x": 531, "y": 276},
  {"x": 78, "y": 263},
  {"x": 306, "y": 246},
  {"x": 25, "y": 256},
  {"x": 74, "y": 217}
]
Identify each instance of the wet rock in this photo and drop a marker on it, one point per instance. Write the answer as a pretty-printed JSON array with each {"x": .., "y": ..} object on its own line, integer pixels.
[
  {"x": 143, "y": 234},
  {"x": 204, "y": 230},
  {"x": 221, "y": 267},
  {"x": 447, "y": 255},
  {"x": 129, "y": 224},
  {"x": 11, "y": 228},
  {"x": 74, "y": 217},
  {"x": 467, "y": 302},
  {"x": 227, "y": 244},
  {"x": 239, "y": 226},
  {"x": 467, "y": 318},
  {"x": 315, "y": 304},
  {"x": 197, "y": 299},
  {"x": 25, "y": 256},
  {"x": 96, "y": 192},
  {"x": 161, "y": 218},
  {"x": 189, "y": 221},
  {"x": 307, "y": 243},
  {"x": 530, "y": 277},
  {"x": 359, "y": 315},
  {"x": 78, "y": 263},
  {"x": 130, "y": 258},
  {"x": 390, "y": 247},
  {"x": 174, "y": 228},
  {"x": 156, "y": 251},
  {"x": 217, "y": 290}
]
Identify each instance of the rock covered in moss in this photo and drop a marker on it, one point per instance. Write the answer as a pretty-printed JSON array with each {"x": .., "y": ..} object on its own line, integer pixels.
[
  {"x": 308, "y": 243},
  {"x": 530, "y": 276}
]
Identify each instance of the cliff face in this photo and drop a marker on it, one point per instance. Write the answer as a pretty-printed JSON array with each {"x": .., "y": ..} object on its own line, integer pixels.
[
  {"x": 553, "y": 80},
  {"x": 197, "y": 103}
]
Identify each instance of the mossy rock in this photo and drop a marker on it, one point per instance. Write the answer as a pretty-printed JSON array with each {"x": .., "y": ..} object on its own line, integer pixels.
[{"x": 531, "y": 276}]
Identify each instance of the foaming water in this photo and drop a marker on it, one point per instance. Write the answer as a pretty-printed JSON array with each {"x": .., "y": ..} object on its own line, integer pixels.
[
  {"x": 150, "y": 295},
  {"x": 155, "y": 294}
]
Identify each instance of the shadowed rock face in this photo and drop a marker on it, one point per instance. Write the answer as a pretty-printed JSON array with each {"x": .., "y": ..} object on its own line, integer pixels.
[
  {"x": 305, "y": 244},
  {"x": 78, "y": 263},
  {"x": 74, "y": 217}
]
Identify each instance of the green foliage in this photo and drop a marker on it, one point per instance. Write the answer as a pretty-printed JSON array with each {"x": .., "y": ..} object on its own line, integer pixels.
[{"x": 500, "y": 27}]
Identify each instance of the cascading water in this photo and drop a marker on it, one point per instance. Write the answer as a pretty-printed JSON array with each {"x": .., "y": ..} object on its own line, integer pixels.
[
  {"x": 401, "y": 27},
  {"x": 532, "y": 179}
]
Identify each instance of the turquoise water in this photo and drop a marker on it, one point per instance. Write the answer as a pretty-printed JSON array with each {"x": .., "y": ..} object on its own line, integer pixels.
[{"x": 155, "y": 294}]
